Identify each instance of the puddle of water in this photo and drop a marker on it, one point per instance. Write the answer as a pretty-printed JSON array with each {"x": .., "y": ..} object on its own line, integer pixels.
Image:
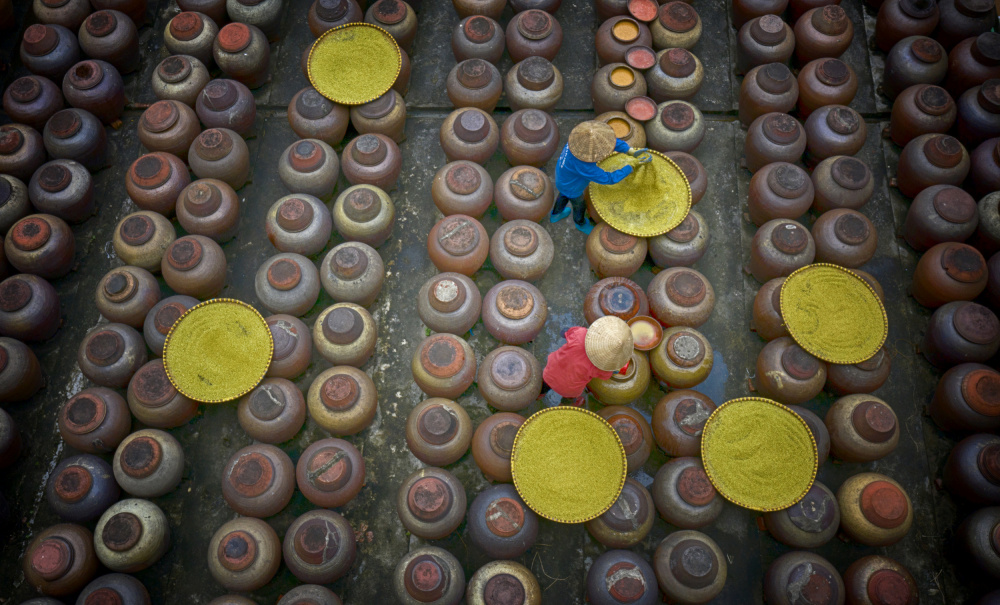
[{"x": 714, "y": 386}]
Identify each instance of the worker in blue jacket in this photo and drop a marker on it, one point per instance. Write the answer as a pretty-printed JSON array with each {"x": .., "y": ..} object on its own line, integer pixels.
[{"x": 589, "y": 143}]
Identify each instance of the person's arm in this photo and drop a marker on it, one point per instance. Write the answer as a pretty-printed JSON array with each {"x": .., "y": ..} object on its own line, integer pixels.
[
  {"x": 621, "y": 146},
  {"x": 602, "y": 177}
]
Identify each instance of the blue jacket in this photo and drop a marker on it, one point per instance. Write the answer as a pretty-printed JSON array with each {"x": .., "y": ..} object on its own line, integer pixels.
[{"x": 573, "y": 174}]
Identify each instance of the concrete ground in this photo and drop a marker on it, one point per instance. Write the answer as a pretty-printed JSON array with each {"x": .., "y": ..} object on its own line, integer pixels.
[{"x": 562, "y": 555}]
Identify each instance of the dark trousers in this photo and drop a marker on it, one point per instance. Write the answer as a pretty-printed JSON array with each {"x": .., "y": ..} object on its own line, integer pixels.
[
  {"x": 580, "y": 400},
  {"x": 579, "y": 207}
]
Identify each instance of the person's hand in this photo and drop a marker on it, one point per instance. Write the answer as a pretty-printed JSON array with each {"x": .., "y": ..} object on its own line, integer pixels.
[
  {"x": 645, "y": 158},
  {"x": 637, "y": 151}
]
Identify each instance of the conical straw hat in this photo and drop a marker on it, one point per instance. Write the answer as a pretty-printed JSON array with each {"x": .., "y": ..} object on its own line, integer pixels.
[
  {"x": 608, "y": 343},
  {"x": 592, "y": 141}
]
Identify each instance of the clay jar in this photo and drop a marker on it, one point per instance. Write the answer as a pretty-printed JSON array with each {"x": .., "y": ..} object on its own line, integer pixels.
[
  {"x": 514, "y": 312},
  {"x": 940, "y": 213},
  {"x": 345, "y": 334},
  {"x": 802, "y": 575},
  {"x": 492, "y": 444},
  {"x": 365, "y": 214},
  {"x": 769, "y": 88},
  {"x": 973, "y": 469},
  {"x": 626, "y": 523},
  {"x": 292, "y": 346},
  {"x": 677, "y": 75},
  {"x": 123, "y": 586},
  {"x": 787, "y": 373},
  {"x": 21, "y": 375},
  {"x": 921, "y": 109},
  {"x": 141, "y": 238},
  {"x": 677, "y": 25},
  {"x": 509, "y": 379},
  {"x": 14, "y": 203},
  {"x": 194, "y": 265},
  {"x": 265, "y": 14},
  {"x": 774, "y": 137},
  {"x": 612, "y": 253},
  {"x": 438, "y": 431},
  {"x": 862, "y": 428},
  {"x": 617, "y": 35},
  {"x": 809, "y": 523},
  {"x": 522, "y": 250},
  {"x": 533, "y": 84},
  {"x": 979, "y": 536},
  {"x": 617, "y": 296},
  {"x": 825, "y": 82},
  {"x": 680, "y": 127},
  {"x": 304, "y": 594},
  {"x": 155, "y": 402},
  {"x": 864, "y": 377},
  {"x": 109, "y": 35},
  {"x": 287, "y": 283},
  {"x": 874, "y": 509},
  {"x": 622, "y": 389},
  {"x": 32, "y": 100},
  {"x": 824, "y": 31},
  {"x": 75, "y": 134},
  {"x": 898, "y": 19},
  {"x": 474, "y": 83},
  {"x": 330, "y": 472},
  {"x": 385, "y": 115},
  {"x": 779, "y": 190},
  {"x": 244, "y": 554},
  {"x": 458, "y": 243},
  {"x": 972, "y": 62},
  {"x": 49, "y": 50},
  {"x": 352, "y": 272},
  {"x": 161, "y": 317},
  {"x": 397, "y": 18},
  {"x": 21, "y": 151},
  {"x": 126, "y": 294},
  {"x": 844, "y": 237},
  {"x": 779, "y": 247},
  {"x": 470, "y": 134},
  {"x": 431, "y": 503},
  {"x": 241, "y": 51},
  {"x": 444, "y": 365},
  {"x": 948, "y": 272},
  {"x": 155, "y": 181},
  {"x": 209, "y": 207},
  {"x": 621, "y": 574},
  {"x": 762, "y": 40},
  {"x": 372, "y": 159},
  {"x": 678, "y": 419},
  {"x": 40, "y": 244},
  {"x": 258, "y": 481},
  {"x": 462, "y": 187},
  {"x": 961, "y": 19},
  {"x": 313, "y": 116},
  {"x": 690, "y": 567},
  {"x": 984, "y": 169},
  {"x": 309, "y": 166},
  {"x": 169, "y": 126},
  {"x": 533, "y": 33},
  {"x": 428, "y": 574},
  {"x": 613, "y": 85},
  {"x": 94, "y": 421},
  {"x": 681, "y": 297},
  {"x": 820, "y": 434},
  {"x": 500, "y": 524},
  {"x": 987, "y": 237},
  {"x": 524, "y": 192},
  {"x": 931, "y": 159},
  {"x": 742, "y": 11},
  {"x": 220, "y": 153},
  {"x": 29, "y": 308},
  {"x": 635, "y": 434},
  {"x": 683, "y": 358},
  {"x": 191, "y": 33},
  {"x": 131, "y": 535},
  {"x": 60, "y": 560},
  {"x": 965, "y": 399},
  {"x": 180, "y": 78},
  {"x": 478, "y": 36},
  {"x": 149, "y": 463},
  {"x": 273, "y": 412},
  {"x": 97, "y": 87},
  {"x": 450, "y": 303},
  {"x": 81, "y": 487},
  {"x": 227, "y": 104},
  {"x": 508, "y": 577},
  {"x": 977, "y": 113},
  {"x": 626, "y": 128},
  {"x": 841, "y": 182},
  {"x": 529, "y": 137},
  {"x": 683, "y": 245},
  {"x": 833, "y": 130},
  {"x": 913, "y": 60},
  {"x": 110, "y": 354},
  {"x": 319, "y": 547},
  {"x": 299, "y": 223},
  {"x": 683, "y": 494}
]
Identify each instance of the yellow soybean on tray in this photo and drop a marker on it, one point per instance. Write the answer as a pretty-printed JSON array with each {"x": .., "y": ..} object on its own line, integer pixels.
[
  {"x": 652, "y": 200},
  {"x": 218, "y": 350},
  {"x": 355, "y": 63},
  {"x": 568, "y": 464}
]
